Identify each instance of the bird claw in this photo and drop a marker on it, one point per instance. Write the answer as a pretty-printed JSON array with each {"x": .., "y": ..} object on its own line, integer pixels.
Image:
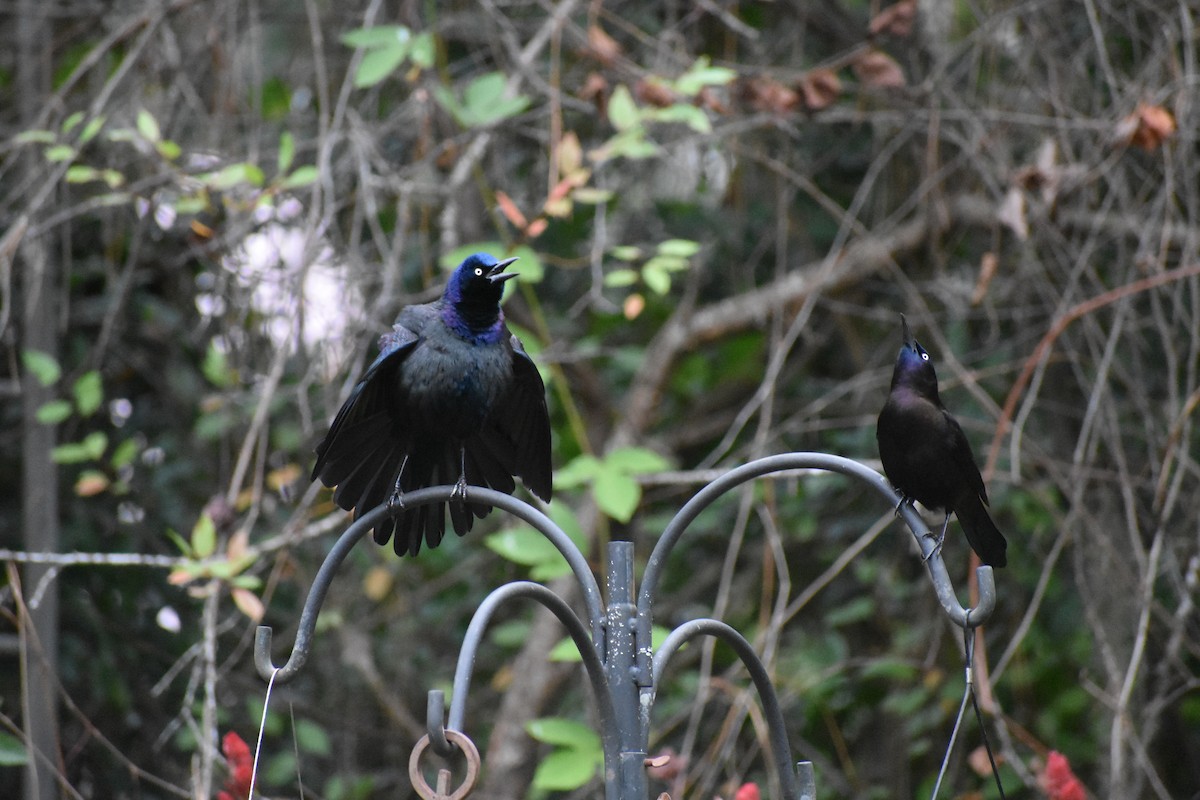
[
  {"x": 396, "y": 501},
  {"x": 904, "y": 500},
  {"x": 937, "y": 545},
  {"x": 460, "y": 489}
]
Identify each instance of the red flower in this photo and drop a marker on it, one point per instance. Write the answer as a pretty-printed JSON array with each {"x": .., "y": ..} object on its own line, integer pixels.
[
  {"x": 747, "y": 791},
  {"x": 1058, "y": 781},
  {"x": 241, "y": 768}
]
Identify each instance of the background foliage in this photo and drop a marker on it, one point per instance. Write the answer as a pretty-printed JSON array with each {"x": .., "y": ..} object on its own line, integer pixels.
[{"x": 209, "y": 210}]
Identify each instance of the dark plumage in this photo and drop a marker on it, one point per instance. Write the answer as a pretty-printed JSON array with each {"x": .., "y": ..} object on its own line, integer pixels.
[
  {"x": 452, "y": 399},
  {"x": 926, "y": 455}
]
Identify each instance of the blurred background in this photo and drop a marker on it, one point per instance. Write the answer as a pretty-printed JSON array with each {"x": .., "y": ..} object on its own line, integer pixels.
[{"x": 210, "y": 210}]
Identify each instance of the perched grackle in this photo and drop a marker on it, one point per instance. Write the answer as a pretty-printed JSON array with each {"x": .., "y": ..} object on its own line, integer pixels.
[
  {"x": 926, "y": 455},
  {"x": 451, "y": 398}
]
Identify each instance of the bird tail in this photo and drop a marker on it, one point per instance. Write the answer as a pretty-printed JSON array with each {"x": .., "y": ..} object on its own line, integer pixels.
[{"x": 982, "y": 534}]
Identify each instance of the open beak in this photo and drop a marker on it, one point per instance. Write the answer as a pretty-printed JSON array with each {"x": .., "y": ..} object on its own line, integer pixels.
[
  {"x": 497, "y": 274},
  {"x": 908, "y": 337}
]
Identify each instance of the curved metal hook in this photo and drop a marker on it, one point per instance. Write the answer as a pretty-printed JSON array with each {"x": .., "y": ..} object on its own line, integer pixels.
[
  {"x": 575, "y": 627},
  {"x": 780, "y": 748},
  {"x": 830, "y": 463},
  {"x": 433, "y": 494}
]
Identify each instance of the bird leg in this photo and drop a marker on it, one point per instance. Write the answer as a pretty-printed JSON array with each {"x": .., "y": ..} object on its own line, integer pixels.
[
  {"x": 904, "y": 500},
  {"x": 941, "y": 537},
  {"x": 460, "y": 486},
  {"x": 396, "y": 501}
]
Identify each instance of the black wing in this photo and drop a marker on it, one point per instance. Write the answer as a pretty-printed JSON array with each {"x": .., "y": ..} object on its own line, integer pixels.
[
  {"x": 365, "y": 447},
  {"x": 518, "y": 432}
]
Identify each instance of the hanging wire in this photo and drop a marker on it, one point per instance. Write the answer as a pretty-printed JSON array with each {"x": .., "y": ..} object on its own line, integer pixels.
[{"x": 262, "y": 726}]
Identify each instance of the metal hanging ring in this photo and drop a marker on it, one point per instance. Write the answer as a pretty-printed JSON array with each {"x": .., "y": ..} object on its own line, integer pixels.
[{"x": 422, "y": 787}]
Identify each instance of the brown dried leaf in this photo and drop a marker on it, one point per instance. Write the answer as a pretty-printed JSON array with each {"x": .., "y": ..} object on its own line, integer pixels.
[
  {"x": 987, "y": 271},
  {"x": 1147, "y": 127},
  {"x": 666, "y": 765},
  {"x": 654, "y": 93},
  {"x": 768, "y": 94},
  {"x": 595, "y": 88},
  {"x": 601, "y": 46},
  {"x": 877, "y": 69},
  {"x": 248, "y": 603},
  {"x": 819, "y": 88},
  {"x": 896, "y": 19},
  {"x": 510, "y": 211},
  {"x": 633, "y": 306}
]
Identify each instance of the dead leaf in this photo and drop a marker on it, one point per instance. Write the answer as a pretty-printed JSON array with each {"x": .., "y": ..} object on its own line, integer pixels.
[
  {"x": 1147, "y": 127},
  {"x": 877, "y": 69},
  {"x": 654, "y": 93},
  {"x": 248, "y": 603},
  {"x": 633, "y": 306},
  {"x": 1011, "y": 213},
  {"x": 819, "y": 88},
  {"x": 510, "y": 211},
  {"x": 896, "y": 19},
  {"x": 987, "y": 271},
  {"x": 601, "y": 46},
  {"x": 239, "y": 544},
  {"x": 767, "y": 94},
  {"x": 536, "y": 228},
  {"x": 708, "y": 99},
  {"x": 595, "y": 88},
  {"x": 666, "y": 765}
]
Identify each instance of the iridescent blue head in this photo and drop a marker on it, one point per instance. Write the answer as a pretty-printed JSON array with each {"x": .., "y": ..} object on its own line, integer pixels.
[
  {"x": 472, "y": 297},
  {"x": 914, "y": 367}
]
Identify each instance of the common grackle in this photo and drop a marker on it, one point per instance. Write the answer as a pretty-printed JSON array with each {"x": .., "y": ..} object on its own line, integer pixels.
[
  {"x": 926, "y": 455},
  {"x": 452, "y": 398}
]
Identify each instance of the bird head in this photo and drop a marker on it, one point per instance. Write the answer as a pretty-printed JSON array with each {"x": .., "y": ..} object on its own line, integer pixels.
[
  {"x": 479, "y": 280},
  {"x": 914, "y": 367}
]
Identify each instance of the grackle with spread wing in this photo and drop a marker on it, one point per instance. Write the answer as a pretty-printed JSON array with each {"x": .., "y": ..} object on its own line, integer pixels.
[
  {"x": 451, "y": 399},
  {"x": 927, "y": 457}
]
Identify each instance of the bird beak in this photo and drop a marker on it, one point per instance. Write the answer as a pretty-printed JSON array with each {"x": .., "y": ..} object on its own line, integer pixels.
[
  {"x": 908, "y": 337},
  {"x": 497, "y": 275}
]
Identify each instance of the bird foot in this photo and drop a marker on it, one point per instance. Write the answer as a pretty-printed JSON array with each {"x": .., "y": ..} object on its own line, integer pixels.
[
  {"x": 937, "y": 544},
  {"x": 905, "y": 500},
  {"x": 396, "y": 501},
  {"x": 460, "y": 489}
]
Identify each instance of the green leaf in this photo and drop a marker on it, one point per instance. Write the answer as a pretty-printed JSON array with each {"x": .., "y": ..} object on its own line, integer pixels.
[
  {"x": 95, "y": 124},
  {"x": 35, "y": 136},
  {"x": 312, "y": 738},
  {"x": 124, "y": 454},
  {"x": 591, "y": 195},
  {"x": 564, "y": 771},
  {"x": 636, "y": 460},
  {"x": 690, "y": 115},
  {"x": 287, "y": 151},
  {"x": 303, "y": 176},
  {"x": 621, "y": 277},
  {"x": 522, "y": 545},
  {"x": 679, "y": 248},
  {"x": 168, "y": 149},
  {"x": 53, "y": 412},
  {"x": 483, "y": 102},
  {"x": 204, "y": 537},
  {"x": 577, "y": 472},
  {"x": 626, "y": 252},
  {"x": 43, "y": 366},
  {"x": 378, "y": 64},
  {"x": 72, "y": 121},
  {"x": 89, "y": 393},
  {"x": 702, "y": 74},
  {"x": 216, "y": 367},
  {"x": 12, "y": 752},
  {"x": 377, "y": 36},
  {"x": 82, "y": 174},
  {"x": 59, "y": 153},
  {"x": 233, "y": 175},
  {"x": 656, "y": 278},
  {"x": 423, "y": 51},
  {"x": 622, "y": 111},
  {"x": 561, "y": 732},
  {"x": 90, "y": 449},
  {"x": 616, "y": 494},
  {"x": 147, "y": 126}
]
